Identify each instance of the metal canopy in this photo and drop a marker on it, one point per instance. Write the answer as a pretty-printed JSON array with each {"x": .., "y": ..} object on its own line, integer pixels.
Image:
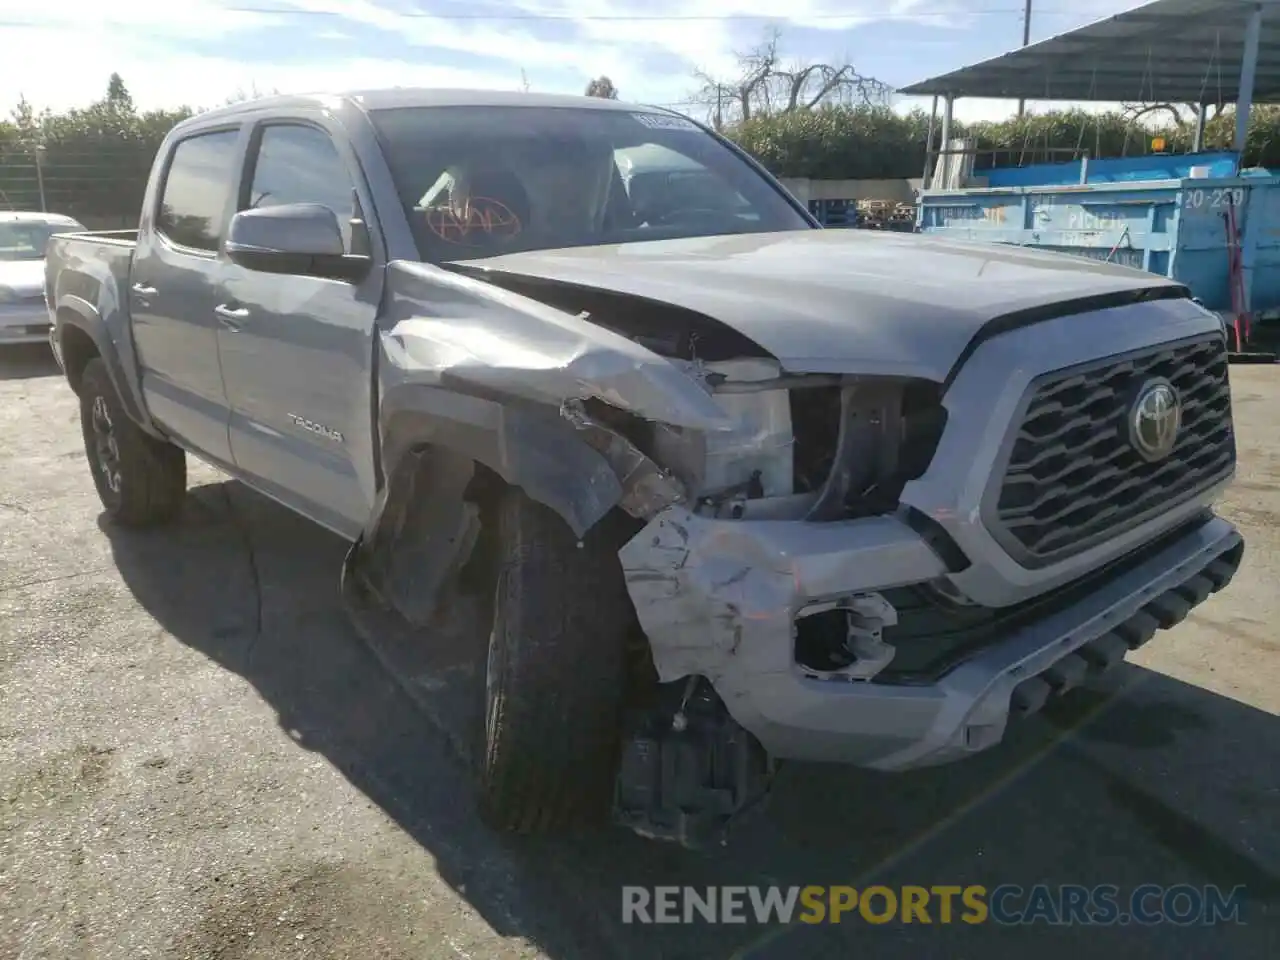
[{"x": 1183, "y": 51}]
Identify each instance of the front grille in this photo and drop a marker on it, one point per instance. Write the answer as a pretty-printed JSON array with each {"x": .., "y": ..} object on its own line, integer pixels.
[{"x": 1074, "y": 478}]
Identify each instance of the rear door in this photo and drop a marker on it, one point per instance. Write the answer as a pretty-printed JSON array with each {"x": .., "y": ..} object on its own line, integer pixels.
[
  {"x": 173, "y": 288},
  {"x": 297, "y": 351}
]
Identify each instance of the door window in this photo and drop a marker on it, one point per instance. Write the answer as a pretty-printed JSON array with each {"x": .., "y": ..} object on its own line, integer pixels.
[
  {"x": 300, "y": 164},
  {"x": 196, "y": 189}
]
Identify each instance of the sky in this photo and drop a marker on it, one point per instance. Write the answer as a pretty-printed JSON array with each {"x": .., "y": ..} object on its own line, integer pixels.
[{"x": 202, "y": 52}]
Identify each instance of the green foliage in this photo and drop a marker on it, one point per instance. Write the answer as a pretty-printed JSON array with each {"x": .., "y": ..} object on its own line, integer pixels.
[
  {"x": 838, "y": 142},
  {"x": 603, "y": 88},
  {"x": 94, "y": 161}
]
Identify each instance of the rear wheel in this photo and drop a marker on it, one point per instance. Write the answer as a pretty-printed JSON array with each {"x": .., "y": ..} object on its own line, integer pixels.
[
  {"x": 141, "y": 481},
  {"x": 556, "y": 671}
]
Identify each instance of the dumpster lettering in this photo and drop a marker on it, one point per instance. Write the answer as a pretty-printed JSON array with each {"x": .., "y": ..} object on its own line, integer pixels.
[
  {"x": 995, "y": 215},
  {"x": 1082, "y": 245},
  {"x": 1085, "y": 220},
  {"x": 1213, "y": 199}
]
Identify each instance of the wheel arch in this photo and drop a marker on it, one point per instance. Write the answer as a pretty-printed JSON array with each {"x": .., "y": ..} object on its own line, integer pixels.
[
  {"x": 446, "y": 457},
  {"x": 81, "y": 336}
]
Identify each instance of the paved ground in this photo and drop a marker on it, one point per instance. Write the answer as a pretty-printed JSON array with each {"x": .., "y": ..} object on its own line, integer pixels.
[{"x": 197, "y": 759}]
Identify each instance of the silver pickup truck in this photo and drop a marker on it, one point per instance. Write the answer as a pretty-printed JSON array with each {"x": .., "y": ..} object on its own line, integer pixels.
[{"x": 738, "y": 489}]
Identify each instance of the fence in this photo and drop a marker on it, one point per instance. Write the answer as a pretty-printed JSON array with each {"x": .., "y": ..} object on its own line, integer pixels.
[{"x": 103, "y": 189}]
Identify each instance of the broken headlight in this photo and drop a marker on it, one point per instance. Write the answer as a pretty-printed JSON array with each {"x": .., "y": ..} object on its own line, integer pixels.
[{"x": 751, "y": 461}]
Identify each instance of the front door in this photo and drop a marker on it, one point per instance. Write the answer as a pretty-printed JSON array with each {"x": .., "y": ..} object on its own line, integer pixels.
[
  {"x": 173, "y": 292},
  {"x": 297, "y": 351}
]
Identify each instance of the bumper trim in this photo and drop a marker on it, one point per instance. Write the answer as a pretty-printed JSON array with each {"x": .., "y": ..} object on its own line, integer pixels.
[
  {"x": 1162, "y": 613},
  {"x": 746, "y": 650},
  {"x": 24, "y": 324}
]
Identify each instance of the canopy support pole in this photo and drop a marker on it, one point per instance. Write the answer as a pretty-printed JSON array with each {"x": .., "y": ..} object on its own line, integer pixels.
[
  {"x": 1248, "y": 69},
  {"x": 948, "y": 111},
  {"x": 1197, "y": 144},
  {"x": 928, "y": 143}
]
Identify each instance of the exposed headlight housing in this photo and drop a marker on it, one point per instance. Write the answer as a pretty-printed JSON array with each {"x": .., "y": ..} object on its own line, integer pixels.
[
  {"x": 754, "y": 460},
  {"x": 816, "y": 447}
]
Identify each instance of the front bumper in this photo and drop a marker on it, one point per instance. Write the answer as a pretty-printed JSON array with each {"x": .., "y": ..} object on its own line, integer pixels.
[
  {"x": 720, "y": 598},
  {"x": 24, "y": 323}
]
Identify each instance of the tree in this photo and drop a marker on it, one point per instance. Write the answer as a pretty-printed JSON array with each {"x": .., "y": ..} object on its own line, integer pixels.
[
  {"x": 253, "y": 93},
  {"x": 603, "y": 88},
  {"x": 765, "y": 84},
  {"x": 118, "y": 95},
  {"x": 25, "y": 121},
  {"x": 1182, "y": 114}
]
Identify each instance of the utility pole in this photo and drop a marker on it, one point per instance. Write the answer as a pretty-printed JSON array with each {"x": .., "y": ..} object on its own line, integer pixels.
[
  {"x": 1026, "y": 39},
  {"x": 39, "y": 155}
]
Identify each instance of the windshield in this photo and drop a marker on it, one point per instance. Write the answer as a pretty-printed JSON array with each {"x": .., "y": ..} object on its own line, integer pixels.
[
  {"x": 26, "y": 239},
  {"x": 478, "y": 181}
]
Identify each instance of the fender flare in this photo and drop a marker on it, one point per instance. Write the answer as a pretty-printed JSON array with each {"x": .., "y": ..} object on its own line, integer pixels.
[
  {"x": 528, "y": 445},
  {"x": 422, "y": 527},
  {"x": 71, "y": 311}
]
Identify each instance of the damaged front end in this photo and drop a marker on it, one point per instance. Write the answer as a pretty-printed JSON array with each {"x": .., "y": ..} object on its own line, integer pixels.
[
  {"x": 744, "y": 527},
  {"x": 738, "y": 477},
  {"x": 809, "y": 556}
]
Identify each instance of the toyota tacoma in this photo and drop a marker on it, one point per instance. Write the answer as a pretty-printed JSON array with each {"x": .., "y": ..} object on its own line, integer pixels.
[{"x": 738, "y": 489}]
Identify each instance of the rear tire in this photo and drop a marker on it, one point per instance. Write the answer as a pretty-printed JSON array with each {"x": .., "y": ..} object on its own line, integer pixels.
[
  {"x": 556, "y": 671},
  {"x": 141, "y": 481}
]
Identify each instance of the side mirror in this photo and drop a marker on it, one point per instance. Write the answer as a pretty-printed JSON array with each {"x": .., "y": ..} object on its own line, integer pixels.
[{"x": 303, "y": 239}]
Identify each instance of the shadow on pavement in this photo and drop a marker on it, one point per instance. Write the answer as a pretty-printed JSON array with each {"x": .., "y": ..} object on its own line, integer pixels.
[
  {"x": 1151, "y": 781},
  {"x": 25, "y": 361}
]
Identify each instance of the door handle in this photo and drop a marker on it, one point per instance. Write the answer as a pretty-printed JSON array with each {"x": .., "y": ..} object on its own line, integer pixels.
[
  {"x": 142, "y": 290},
  {"x": 232, "y": 317}
]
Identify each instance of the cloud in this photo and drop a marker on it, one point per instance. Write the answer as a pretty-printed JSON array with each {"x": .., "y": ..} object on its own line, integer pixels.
[
  {"x": 69, "y": 52},
  {"x": 190, "y": 18},
  {"x": 974, "y": 110},
  {"x": 618, "y": 38},
  {"x": 200, "y": 52}
]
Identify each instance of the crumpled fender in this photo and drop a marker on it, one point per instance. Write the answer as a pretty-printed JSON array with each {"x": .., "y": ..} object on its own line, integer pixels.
[
  {"x": 447, "y": 328},
  {"x": 471, "y": 374}
]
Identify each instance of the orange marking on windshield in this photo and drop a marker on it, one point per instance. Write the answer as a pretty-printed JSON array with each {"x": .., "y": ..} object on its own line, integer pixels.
[{"x": 482, "y": 218}]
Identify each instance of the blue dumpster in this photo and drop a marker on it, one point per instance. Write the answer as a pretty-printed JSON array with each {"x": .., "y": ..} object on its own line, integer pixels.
[{"x": 1176, "y": 228}]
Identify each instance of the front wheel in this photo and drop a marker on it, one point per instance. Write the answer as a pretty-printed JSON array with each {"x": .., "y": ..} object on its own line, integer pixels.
[
  {"x": 555, "y": 677},
  {"x": 141, "y": 481}
]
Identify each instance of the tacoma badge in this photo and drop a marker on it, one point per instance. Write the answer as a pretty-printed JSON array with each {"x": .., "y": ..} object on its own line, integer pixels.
[{"x": 314, "y": 427}]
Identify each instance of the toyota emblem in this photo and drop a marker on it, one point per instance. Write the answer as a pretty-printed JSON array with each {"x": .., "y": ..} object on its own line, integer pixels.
[{"x": 1154, "y": 420}]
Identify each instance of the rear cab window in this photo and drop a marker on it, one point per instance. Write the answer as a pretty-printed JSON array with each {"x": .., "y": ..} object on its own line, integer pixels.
[{"x": 197, "y": 187}]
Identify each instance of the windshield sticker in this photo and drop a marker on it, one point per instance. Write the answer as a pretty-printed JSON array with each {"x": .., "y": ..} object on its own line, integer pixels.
[
  {"x": 484, "y": 220},
  {"x": 664, "y": 121}
]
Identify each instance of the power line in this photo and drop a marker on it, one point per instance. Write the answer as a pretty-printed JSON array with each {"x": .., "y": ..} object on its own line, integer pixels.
[{"x": 600, "y": 17}]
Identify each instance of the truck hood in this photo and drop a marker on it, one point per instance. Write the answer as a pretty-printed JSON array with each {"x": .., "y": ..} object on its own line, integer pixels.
[
  {"x": 842, "y": 301},
  {"x": 23, "y": 277}
]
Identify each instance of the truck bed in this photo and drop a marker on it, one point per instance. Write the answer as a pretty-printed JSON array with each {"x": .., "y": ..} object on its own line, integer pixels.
[
  {"x": 114, "y": 237},
  {"x": 104, "y": 256},
  {"x": 87, "y": 274}
]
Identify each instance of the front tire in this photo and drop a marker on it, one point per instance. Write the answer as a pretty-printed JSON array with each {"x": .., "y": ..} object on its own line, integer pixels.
[
  {"x": 556, "y": 671},
  {"x": 141, "y": 481}
]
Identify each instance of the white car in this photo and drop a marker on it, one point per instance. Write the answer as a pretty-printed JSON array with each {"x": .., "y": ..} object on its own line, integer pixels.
[{"x": 24, "y": 317}]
